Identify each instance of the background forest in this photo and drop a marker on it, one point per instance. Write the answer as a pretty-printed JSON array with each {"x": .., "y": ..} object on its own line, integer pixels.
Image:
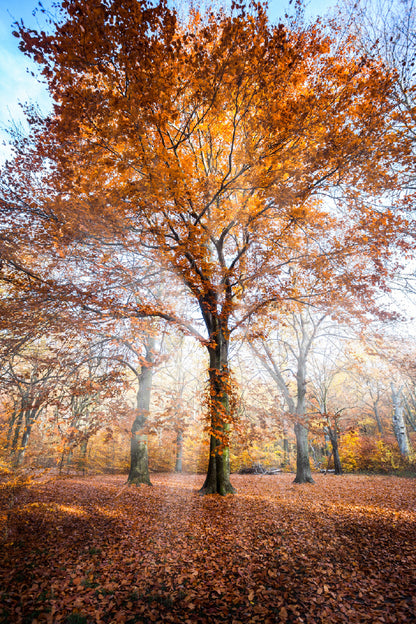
[{"x": 76, "y": 414}]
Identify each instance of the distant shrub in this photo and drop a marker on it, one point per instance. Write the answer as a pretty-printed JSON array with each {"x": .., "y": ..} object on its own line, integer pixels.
[
  {"x": 361, "y": 453},
  {"x": 348, "y": 451}
]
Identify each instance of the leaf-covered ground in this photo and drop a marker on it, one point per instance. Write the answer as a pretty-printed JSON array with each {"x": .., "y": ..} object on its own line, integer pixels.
[{"x": 89, "y": 550}]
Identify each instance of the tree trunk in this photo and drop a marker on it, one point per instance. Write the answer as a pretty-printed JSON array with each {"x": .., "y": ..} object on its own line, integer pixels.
[
  {"x": 378, "y": 419},
  {"x": 139, "y": 461},
  {"x": 61, "y": 463},
  {"x": 399, "y": 424},
  {"x": 218, "y": 475},
  {"x": 17, "y": 427},
  {"x": 335, "y": 451},
  {"x": 25, "y": 439},
  {"x": 69, "y": 459},
  {"x": 82, "y": 462},
  {"x": 179, "y": 451},
  {"x": 285, "y": 445},
  {"x": 14, "y": 417},
  {"x": 303, "y": 467},
  {"x": 285, "y": 451},
  {"x": 337, "y": 460}
]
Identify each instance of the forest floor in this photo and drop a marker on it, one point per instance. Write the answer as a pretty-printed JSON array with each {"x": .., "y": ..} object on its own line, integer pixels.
[{"x": 92, "y": 550}]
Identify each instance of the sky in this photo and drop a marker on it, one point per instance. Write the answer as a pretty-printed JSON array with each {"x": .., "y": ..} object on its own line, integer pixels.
[{"x": 16, "y": 83}]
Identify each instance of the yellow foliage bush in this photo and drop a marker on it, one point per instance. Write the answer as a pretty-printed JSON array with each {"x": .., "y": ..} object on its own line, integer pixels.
[{"x": 361, "y": 453}]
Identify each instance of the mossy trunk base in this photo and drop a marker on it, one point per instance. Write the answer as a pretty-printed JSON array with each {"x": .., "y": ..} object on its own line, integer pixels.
[
  {"x": 218, "y": 476},
  {"x": 139, "y": 467}
]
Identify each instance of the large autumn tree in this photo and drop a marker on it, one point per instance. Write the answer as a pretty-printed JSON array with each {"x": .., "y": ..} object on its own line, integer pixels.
[{"x": 207, "y": 144}]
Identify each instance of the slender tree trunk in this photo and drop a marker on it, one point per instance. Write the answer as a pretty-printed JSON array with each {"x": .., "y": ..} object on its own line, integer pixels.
[
  {"x": 303, "y": 467},
  {"x": 335, "y": 451},
  {"x": 61, "y": 463},
  {"x": 409, "y": 413},
  {"x": 285, "y": 451},
  {"x": 139, "y": 461},
  {"x": 179, "y": 451},
  {"x": 82, "y": 462},
  {"x": 328, "y": 462},
  {"x": 25, "y": 439},
  {"x": 218, "y": 475},
  {"x": 410, "y": 420},
  {"x": 69, "y": 459},
  {"x": 337, "y": 460},
  {"x": 399, "y": 424},
  {"x": 16, "y": 434},
  {"x": 378, "y": 419},
  {"x": 14, "y": 417},
  {"x": 285, "y": 445}
]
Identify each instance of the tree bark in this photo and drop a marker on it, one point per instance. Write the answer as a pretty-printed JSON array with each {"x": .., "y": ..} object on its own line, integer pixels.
[
  {"x": 179, "y": 451},
  {"x": 29, "y": 420},
  {"x": 399, "y": 424},
  {"x": 82, "y": 462},
  {"x": 303, "y": 467},
  {"x": 61, "y": 463},
  {"x": 17, "y": 427},
  {"x": 285, "y": 461},
  {"x": 69, "y": 459},
  {"x": 139, "y": 460},
  {"x": 218, "y": 475},
  {"x": 285, "y": 451},
  {"x": 13, "y": 418},
  {"x": 378, "y": 419},
  {"x": 335, "y": 451}
]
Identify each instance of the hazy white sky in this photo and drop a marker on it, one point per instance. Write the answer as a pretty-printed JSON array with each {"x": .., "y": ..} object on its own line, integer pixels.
[{"x": 16, "y": 83}]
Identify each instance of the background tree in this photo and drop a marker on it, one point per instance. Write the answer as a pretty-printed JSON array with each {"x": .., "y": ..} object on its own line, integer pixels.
[
  {"x": 334, "y": 392},
  {"x": 399, "y": 425},
  {"x": 294, "y": 339},
  {"x": 89, "y": 384}
]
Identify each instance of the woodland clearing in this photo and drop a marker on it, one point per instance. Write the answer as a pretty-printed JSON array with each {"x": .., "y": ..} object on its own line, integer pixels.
[{"x": 93, "y": 550}]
